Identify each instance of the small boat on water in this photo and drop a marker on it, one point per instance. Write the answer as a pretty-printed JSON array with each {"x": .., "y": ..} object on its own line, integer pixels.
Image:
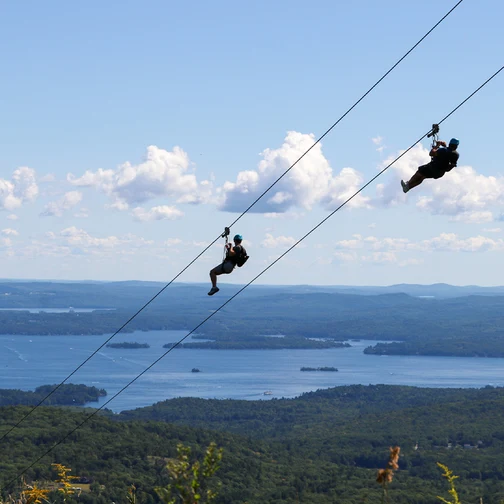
[{"x": 268, "y": 392}]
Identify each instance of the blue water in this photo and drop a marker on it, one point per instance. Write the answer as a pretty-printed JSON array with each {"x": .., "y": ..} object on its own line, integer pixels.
[
  {"x": 29, "y": 361},
  {"x": 57, "y": 310}
]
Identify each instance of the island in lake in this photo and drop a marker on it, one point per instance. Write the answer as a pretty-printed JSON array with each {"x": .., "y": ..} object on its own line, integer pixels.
[
  {"x": 128, "y": 345},
  {"x": 261, "y": 343},
  {"x": 326, "y": 368},
  {"x": 67, "y": 394}
]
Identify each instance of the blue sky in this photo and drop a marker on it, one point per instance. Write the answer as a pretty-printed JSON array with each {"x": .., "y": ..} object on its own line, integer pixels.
[{"x": 133, "y": 132}]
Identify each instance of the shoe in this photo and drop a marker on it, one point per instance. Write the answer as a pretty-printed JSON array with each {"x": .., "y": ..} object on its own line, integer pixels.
[
  {"x": 213, "y": 290},
  {"x": 405, "y": 186}
]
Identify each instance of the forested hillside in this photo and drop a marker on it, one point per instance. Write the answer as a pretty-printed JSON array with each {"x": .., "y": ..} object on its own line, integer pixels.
[{"x": 323, "y": 447}]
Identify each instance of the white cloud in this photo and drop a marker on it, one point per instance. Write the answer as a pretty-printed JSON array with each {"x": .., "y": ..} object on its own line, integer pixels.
[
  {"x": 39, "y": 248},
  {"x": 309, "y": 182},
  {"x": 390, "y": 193},
  {"x": 162, "y": 174},
  {"x": 83, "y": 213},
  {"x": 356, "y": 242},
  {"x": 20, "y": 189},
  {"x": 202, "y": 244},
  {"x": 473, "y": 217},
  {"x": 492, "y": 230},
  {"x": 5, "y": 242},
  {"x": 392, "y": 250},
  {"x": 284, "y": 215},
  {"x": 9, "y": 232},
  {"x": 280, "y": 197},
  {"x": 57, "y": 208},
  {"x": 157, "y": 213},
  {"x": 25, "y": 185},
  {"x": 382, "y": 250},
  {"x": 380, "y": 258},
  {"x": 323, "y": 261},
  {"x": 76, "y": 243},
  {"x": 463, "y": 194},
  {"x": 372, "y": 243},
  {"x": 396, "y": 244},
  {"x": 172, "y": 241},
  {"x": 191, "y": 244},
  {"x": 411, "y": 262},
  {"x": 461, "y": 191},
  {"x": 82, "y": 242},
  {"x": 342, "y": 187},
  {"x": 346, "y": 256},
  {"x": 450, "y": 242},
  {"x": 378, "y": 141},
  {"x": 76, "y": 236},
  {"x": 279, "y": 242},
  {"x": 50, "y": 177},
  {"x": 12, "y": 217}
]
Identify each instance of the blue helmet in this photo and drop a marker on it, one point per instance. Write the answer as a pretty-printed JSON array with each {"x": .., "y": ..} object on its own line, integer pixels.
[
  {"x": 238, "y": 238},
  {"x": 454, "y": 141}
]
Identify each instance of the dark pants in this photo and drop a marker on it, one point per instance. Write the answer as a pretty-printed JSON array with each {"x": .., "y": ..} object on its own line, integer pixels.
[
  {"x": 430, "y": 170},
  {"x": 224, "y": 268}
]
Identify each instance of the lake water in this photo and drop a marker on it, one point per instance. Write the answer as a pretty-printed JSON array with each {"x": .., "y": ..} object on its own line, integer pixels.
[
  {"x": 58, "y": 310},
  {"x": 29, "y": 361}
]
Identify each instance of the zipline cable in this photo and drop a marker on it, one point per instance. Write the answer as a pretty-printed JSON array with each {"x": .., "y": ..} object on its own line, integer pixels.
[
  {"x": 234, "y": 222},
  {"x": 251, "y": 281},
  {"x": 346, "y": 113}
]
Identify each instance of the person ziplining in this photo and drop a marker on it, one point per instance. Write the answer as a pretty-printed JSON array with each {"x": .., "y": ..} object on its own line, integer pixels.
[
  {"x": 233, "y": 256},
  {"x": 443, "y": 160}
]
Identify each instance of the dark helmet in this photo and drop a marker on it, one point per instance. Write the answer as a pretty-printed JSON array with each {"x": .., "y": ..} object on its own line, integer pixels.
[
  {"x": 238, "y": 238},
  {"x": 454, "y": 141}
]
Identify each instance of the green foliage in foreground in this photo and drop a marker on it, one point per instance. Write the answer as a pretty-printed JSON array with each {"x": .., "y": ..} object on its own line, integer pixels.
[
  {"x": 190, "y": 482},
  {"x": 323, "y": 447}
]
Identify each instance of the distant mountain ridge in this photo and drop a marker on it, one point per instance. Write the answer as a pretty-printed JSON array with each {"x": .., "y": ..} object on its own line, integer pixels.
[
  {"x": 98, "y": 294},
  {"x": 437, "y": 319}
]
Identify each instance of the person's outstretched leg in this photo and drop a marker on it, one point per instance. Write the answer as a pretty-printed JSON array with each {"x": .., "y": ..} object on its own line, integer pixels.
[
  {"x": 414, "y": 181},
  {"x": 213, "y": 279}
]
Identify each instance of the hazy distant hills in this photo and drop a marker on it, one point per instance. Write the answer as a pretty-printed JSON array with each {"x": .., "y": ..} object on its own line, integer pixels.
[
  {"x": 434, "y": 319},
  {"x": 439, "y": 290},
  {"x": 91, "y": 294}
]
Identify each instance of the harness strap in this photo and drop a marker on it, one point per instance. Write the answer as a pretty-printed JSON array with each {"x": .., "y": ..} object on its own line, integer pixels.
[
  {"x": 225, "y": 235},
  {"x": 434, "y": 134}
]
